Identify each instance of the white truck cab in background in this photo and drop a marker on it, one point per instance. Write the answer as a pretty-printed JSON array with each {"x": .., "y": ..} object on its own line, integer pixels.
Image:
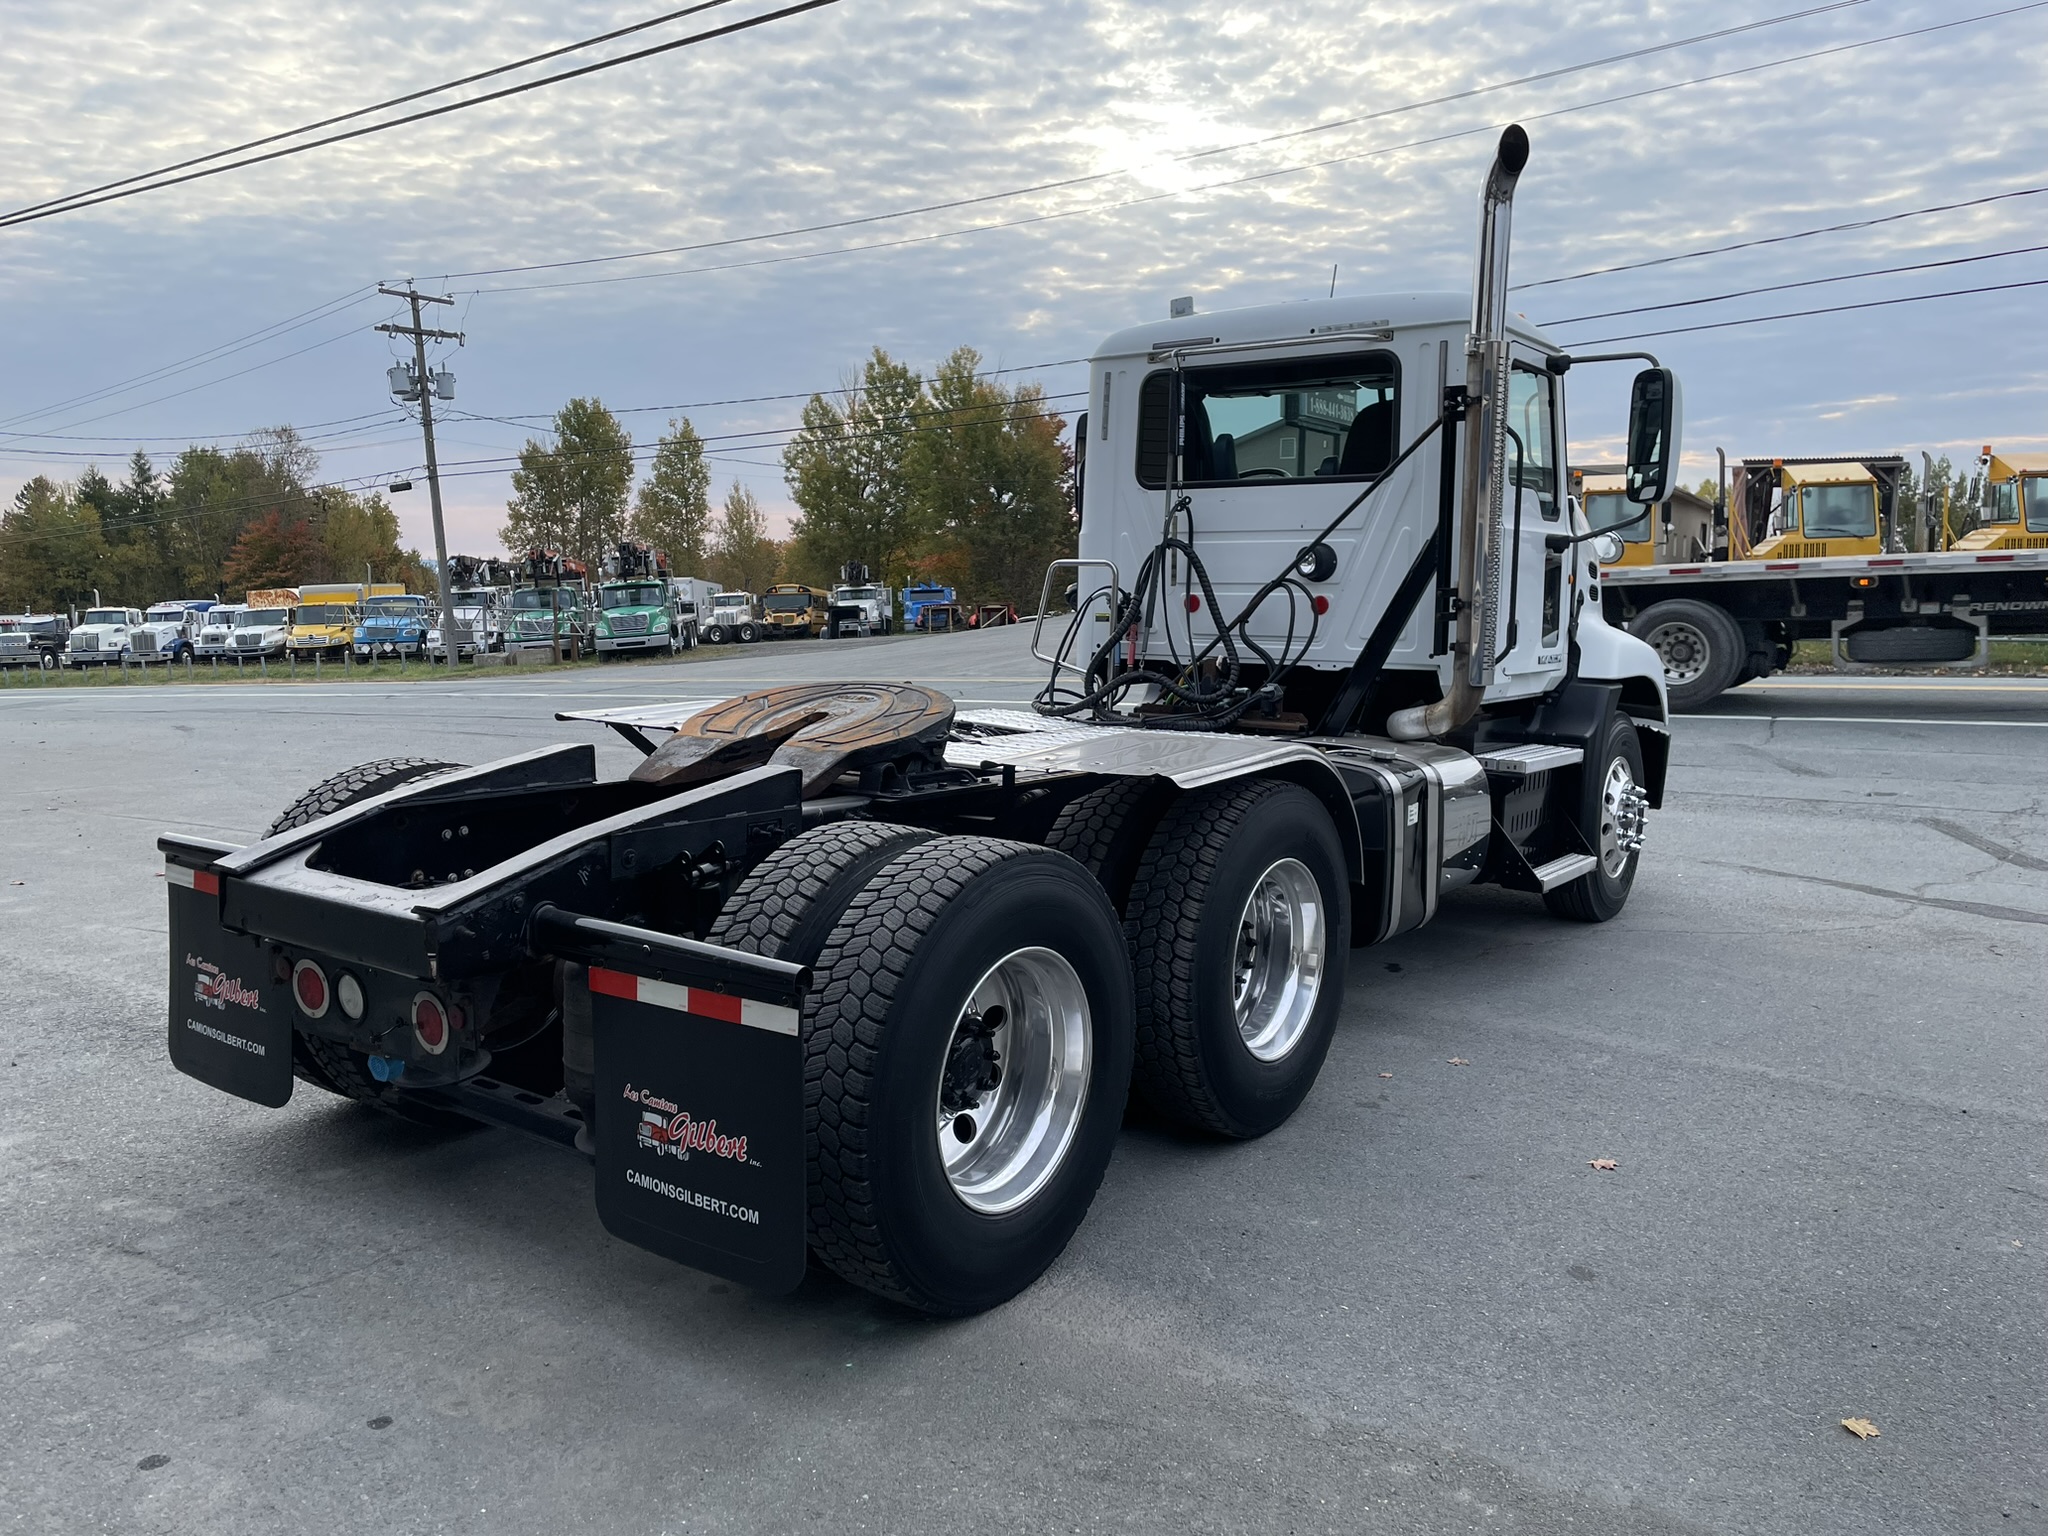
[{"x": 103, "y": 635}]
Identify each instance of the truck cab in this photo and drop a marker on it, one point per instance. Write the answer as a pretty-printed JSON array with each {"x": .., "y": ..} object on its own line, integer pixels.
[
  {"x": 636, "y": 614},
  {"x": 33, "y": 639},
  {"x": 1820, "y": 510},
  {"x": 920, "y": 595},
  {"x": 216, "y": 632},
  {"x": 479, "y": 611},
  {"x": 547, "y": 619},
  {"x": 103, "y": 635},
  {"x": 324, "y": 622},
  {"x": 264, "y": 624},
  {"x": 791, "y": 609},
  {"x": 2017, "y": 517},
  {"x": 169, "y": 630},
  {"x": 392, "y": 624},
  {"x": 734, "y": 616}
]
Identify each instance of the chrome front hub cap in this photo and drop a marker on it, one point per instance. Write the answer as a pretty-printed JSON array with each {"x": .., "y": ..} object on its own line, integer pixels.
[
  {"x": 1277, "y": 970},
  {"x": 1014, "y": 1080},
  {"x": 1682, "y": 648},
  {"x": 1624, "y": 812}
]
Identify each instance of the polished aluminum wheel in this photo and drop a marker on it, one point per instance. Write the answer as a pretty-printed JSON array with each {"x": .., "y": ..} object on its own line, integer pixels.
[
  {"x": 1014, "y": 1080},
  {"x": 1277, "y": 971},
  {"x": 1683, "y": 649},
  {"x": 1624, "y": 811}
]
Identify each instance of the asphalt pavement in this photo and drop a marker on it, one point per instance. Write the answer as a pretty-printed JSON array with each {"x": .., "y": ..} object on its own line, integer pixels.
[{"x": 1813, "y": 1046}]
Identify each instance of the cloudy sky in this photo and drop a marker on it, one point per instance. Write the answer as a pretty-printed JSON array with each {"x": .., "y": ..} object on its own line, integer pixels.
[{"x": 1229, "y": 151}]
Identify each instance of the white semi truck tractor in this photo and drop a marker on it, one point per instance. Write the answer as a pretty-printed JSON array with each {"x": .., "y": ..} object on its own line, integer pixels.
[{"x": 881, "y": 972}]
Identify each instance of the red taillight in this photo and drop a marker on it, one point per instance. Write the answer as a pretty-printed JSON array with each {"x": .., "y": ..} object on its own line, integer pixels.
[
  {"x": 309, "y": 986},
  {"x": 1322, "y": 605},
  {"x": 430, "y": 1023}
]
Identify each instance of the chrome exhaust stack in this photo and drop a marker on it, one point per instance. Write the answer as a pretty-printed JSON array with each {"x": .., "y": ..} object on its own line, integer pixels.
[{"x": 1482, "y": 489}]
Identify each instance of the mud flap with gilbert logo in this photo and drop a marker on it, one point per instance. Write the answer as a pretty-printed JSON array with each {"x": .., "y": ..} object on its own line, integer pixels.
[
  {"x": 230, "y": 1014},
  {"x": 700, "y": 1127}
]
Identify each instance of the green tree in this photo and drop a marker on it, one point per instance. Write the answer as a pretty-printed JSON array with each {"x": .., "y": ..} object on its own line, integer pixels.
[
  {"x": 848, "y": 472},
  {"x": 52, "y": 554},
  {"x": 359, "y": 538},
  {"x": 743, "y": 557},
  {"x": 572, "y": 496},
  {"x": 995, "y": 480},
  {"x": 673, "y": 510}
]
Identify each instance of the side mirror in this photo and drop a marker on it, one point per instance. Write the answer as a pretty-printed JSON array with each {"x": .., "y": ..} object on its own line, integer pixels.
[{"x": 1653, "y": 426}]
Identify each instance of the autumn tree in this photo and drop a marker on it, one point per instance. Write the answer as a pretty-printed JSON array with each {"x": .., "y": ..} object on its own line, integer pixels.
[
  {"x": 271, "y": 552},
  {"x": 848, "y": 470},
  {"x": 743, "y": 557},
  {"x": 572, "y": 495},
  {"x": 673, "y": 510}
]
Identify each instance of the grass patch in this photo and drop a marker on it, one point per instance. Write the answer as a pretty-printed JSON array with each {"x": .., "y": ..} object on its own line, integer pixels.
[{"x": 2009, "y": 658}]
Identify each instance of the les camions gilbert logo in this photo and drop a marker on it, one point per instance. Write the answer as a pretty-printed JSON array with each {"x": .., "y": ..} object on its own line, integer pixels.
[
  {"x": 215, "y": 988},
  {"x": 675, "y": 1132}
]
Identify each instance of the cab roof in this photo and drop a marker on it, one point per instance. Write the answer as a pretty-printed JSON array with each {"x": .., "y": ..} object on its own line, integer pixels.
[
  {"x": 2010, "y": 466},
  {"x": 1828, "y": 474},
  {"x": 1329, "y": 322}
]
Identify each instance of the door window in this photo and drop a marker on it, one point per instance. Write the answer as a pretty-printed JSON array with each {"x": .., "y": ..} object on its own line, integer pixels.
[{"x": 1532, "y": 416}]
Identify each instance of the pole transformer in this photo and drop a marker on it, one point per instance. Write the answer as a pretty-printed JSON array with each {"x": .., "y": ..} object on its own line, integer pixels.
[{"x": 451, "y": 641}]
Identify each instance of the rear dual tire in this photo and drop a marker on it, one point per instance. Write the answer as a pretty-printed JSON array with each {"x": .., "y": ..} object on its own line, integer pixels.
[{"x": 943, "y": 1174}]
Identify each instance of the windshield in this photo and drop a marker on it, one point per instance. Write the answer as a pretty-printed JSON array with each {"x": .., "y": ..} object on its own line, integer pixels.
[
  {"x": 729, "y": 600},
  {"x": 648, "y": 596},
  {"x": 165, "y": 616},
  {"x": 469, "y": 597},
  {"x": 218, "y": 620},
  {"x": 859, "y": 594},
  {"x": 30, "y": 626},
  {"x": 2037, "y": 503},
  {"x": 542, "y": 600},
  {"x": 261, "y": 618},
  {"x": 788, "y": 602},
  {"x": 395, "y": 608},
  {"x": 321, "y": 613},
  {"x": 105, "y": 616},
  {"x": 1609, "y": 511},
  {"x": 1839, "y": 511}
]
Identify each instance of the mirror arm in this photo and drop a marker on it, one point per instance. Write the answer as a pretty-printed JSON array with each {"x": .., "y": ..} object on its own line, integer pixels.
[{"x": 1563, "y": 363}]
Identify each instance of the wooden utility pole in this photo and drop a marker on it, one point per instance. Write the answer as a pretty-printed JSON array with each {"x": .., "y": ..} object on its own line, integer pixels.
[{"x": 451, "y": 640}]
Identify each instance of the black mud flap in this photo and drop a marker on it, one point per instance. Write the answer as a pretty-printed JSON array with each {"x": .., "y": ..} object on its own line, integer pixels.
[
  {"x": 230, "y": 1015},
  {"x": 700, "y": 1126}
]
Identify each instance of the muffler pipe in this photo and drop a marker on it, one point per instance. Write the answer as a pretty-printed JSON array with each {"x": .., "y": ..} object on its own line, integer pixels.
[{"x": 1482, "y": 491}]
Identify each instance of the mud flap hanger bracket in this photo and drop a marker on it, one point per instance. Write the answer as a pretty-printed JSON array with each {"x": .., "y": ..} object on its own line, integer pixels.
[{"x": 563, "y": 935}]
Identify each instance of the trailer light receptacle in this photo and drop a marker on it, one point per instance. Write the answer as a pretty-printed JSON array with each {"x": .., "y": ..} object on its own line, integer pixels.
[
  {"x": 430, "y": 1023},
  {"x": 310, "y": 989},
  {"x": 349, "y": 993}
]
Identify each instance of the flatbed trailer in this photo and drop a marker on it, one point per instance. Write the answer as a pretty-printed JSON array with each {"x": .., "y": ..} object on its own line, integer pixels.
[
  {"x": 1720, "y": 623},
  {"x": 841, "y": 970}
]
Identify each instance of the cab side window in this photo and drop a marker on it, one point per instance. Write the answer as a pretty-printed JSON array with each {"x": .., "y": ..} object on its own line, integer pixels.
[{"x": 1532, "y": 416}]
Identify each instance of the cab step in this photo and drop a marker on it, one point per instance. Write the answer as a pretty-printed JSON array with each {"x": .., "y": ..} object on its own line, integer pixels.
[{"x": 1564, "y": 870}]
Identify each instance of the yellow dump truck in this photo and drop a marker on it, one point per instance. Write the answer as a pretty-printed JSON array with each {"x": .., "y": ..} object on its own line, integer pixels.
[
  {"x": 2018, "y": 515},
  {"x": 1679, "y": 528}
]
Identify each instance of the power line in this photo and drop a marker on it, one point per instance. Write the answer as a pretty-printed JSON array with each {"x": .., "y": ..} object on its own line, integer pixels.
[
  {"x": 270, "y": 332},
  {"x": 1069, "y": 182},
  {"x": 395, "y": 101},
  {"x": 81, "y": 200},
  {"x": 1090, "y": 210},
  {"x": 1811, "y": 282},
  {"x": 1797, "y": 234},
  {"x": 1801, "y": 314}
]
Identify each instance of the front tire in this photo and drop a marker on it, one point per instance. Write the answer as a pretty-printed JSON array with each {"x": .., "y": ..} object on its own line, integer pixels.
[
  {"x": 967, "y": 1056},
  {"x": 1239, "y": 925},
  {"x": 746, "y": 634},
  {"x": 1611, "y": 811}
]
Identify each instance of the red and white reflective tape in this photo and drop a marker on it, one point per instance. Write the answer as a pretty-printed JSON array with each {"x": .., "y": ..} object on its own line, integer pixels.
[
  {"x": 701, "y": 1001},
  {"x": 205, "y": 881}
]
